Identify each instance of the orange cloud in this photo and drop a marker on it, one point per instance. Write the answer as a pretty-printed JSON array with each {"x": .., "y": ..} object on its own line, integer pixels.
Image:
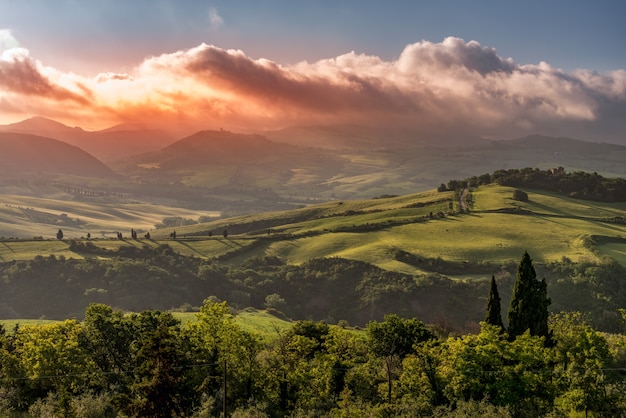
[
  {"x": 452, "y": 87},
  {"x": 19, "y": 74}
]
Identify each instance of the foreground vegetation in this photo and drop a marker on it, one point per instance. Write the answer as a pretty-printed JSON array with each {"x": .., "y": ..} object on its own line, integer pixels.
[{"x": 147, "y": 364}]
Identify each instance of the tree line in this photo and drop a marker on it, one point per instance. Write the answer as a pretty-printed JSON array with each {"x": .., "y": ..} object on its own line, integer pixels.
[
  {"x": 330, "y": 289},
  {"x": 577, "y": 184},
  {"x": 147, "y": 364}
]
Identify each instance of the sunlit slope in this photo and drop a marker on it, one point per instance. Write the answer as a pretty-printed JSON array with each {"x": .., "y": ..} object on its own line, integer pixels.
[
  {"x": 27, "y": 217},
  {"x": 497, "y": 229}
]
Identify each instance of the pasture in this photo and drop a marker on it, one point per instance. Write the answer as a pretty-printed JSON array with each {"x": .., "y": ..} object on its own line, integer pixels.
[{"x": 497, "y": 229}]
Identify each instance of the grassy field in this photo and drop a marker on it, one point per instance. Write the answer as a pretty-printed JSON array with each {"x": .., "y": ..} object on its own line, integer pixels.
[
  {"x": 497, "y": 229},
  {"x": 10, "y": 324},
  {"x": 27, "y": 216},
  {"x": 204, "y": 248},
  {"x": 261, "y": 323}
]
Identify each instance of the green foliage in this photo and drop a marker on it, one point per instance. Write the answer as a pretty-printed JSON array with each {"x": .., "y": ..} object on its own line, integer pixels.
[
  {"x": 144, "y": 364},
  {"x": 494, "y": 310},
  {"x": 529, "y": 304},
  {"x": 488, "y": 366},
  {"x": 585, "y": 369},
  {"x": 329, "y": 289},
  {"x": 396, "y": 336},
  {"x": 520, "y": 195},
  {"x": 161, "y": 384},
  {"x": 394, "y": 339},
  {"x": 275, "y": 301},
  {"x": 578, "y": 184}
]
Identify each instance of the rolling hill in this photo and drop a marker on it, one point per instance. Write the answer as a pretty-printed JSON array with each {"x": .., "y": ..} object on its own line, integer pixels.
[
  {"x": 415, "y": 255},
  {"x": 235, "y": 173},
  {"x": 379, "y": 231},
  {"x": 115, "y": 143},
  {"x": 29, "y": 154}
]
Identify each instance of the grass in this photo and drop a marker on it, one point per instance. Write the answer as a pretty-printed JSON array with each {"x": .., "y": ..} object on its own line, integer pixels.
[
  {"x": 262, "y": 323},
  {"x": 28, "y": 216},
  {"x": 258, "y": 322},
  {"x": 9, "y": 324},
  {"x": 204, "y": 248},
  {"x": 548, "y": 226}
]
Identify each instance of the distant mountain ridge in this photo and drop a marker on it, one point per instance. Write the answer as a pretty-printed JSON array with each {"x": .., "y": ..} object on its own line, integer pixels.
[
  {"x": 110, "y": 144},
  {"x": 314, "y": 162},
  {"x": 209, "y": 147},
  {"x": 24, "y": 153}
]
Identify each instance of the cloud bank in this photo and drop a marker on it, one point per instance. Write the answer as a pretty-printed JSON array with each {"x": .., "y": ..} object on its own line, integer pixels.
[{"x": 449, "y": 88}]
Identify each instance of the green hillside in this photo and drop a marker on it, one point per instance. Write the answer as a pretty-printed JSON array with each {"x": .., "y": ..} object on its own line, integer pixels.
[
  {"x": 258, "y": 322},
  {"x": 416, "y": 255},
  {"x": 497, "y": 229},
  {"x": 28, "y": 216}
]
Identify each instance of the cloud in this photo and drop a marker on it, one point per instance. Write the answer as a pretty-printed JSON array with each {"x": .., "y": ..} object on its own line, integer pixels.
[
  {"x": 449, "y": 88},
  {"x": 20, "y": 74},
  {"x": 214, "y": 18},
  {"x": 7, "y": 41}
]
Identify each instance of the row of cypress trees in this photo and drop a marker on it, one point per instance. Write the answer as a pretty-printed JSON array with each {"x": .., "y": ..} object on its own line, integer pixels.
[{"x": 529, "y": 304}]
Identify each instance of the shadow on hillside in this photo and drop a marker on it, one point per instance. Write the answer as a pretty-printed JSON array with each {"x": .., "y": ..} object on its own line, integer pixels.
[
  {"x": 10, "y": 249},
  {"x": 195, "y": 250},
  {"x": 230, "y": 243}
]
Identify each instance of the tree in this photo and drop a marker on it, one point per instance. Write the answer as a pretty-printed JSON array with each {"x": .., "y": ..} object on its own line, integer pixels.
[
  {"x": 162, "y": 379},
  {"x": 585, "y": 371},
  {"x": 506, "y": 373},
  {"x": 529, "y": 304},
  {"x": 520, "y": 196},
  {"x": 229, "y": 351},
  {"x": 60, "y": 234},
  {"x": 107, "y": 336},
  {"x": 51, "y": 356},
  {"x": 394, "y": 339},
  {"x": 494, "y": 315},
  {"x": 275, "y": 301}
]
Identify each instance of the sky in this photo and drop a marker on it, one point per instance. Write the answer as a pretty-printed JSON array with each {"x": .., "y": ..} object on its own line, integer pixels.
[{"x": 484, "y": 68}]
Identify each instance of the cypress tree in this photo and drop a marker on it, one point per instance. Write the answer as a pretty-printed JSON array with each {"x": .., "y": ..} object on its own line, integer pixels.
[
  {"x": 529, "y": 304},
  {"x": 494, "y": 315}
]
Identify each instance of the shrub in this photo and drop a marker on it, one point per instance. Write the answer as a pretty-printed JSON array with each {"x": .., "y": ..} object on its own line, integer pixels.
[{"x": 520, "y": 196}]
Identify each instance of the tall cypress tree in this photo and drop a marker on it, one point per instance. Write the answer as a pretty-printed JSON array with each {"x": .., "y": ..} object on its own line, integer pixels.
[
  {"x": 529, "y": 304},
  {"x": 494, "y": 315}
]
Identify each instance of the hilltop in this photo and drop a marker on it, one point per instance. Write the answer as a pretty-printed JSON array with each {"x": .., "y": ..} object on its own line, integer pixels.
[
  {"x": 24, "y": 154},
  {"x": 112, "y": 144},
  {"x": 238, "y": 173}
]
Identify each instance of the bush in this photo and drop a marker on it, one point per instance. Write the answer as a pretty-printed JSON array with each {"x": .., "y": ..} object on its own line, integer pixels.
[{"x": 520, "y": 196}]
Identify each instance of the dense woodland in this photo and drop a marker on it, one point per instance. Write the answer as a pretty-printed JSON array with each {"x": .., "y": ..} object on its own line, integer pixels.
[
  {"x": 145, "y": 364},
  {"x": 331, "y": 289},
  {"x": 578, "y": 184}
]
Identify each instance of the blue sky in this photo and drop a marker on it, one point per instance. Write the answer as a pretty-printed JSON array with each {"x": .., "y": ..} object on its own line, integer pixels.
[{"x": 113, "y": 34}]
